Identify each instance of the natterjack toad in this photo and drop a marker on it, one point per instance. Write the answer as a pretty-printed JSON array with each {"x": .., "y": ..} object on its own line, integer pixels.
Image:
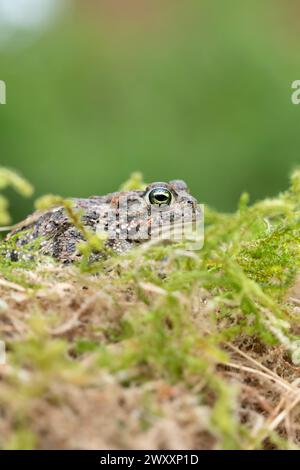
[{"x": 128, "y": 218}]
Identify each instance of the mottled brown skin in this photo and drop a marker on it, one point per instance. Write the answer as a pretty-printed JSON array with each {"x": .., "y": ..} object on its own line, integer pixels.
[{"x": 59, "y": 237}]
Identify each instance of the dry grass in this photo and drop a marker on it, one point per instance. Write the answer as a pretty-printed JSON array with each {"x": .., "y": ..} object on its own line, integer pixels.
[{"x": 54, "y": 395}]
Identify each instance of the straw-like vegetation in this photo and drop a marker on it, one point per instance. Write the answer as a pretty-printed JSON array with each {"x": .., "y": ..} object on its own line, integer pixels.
[{"x": 162, "y": 347}]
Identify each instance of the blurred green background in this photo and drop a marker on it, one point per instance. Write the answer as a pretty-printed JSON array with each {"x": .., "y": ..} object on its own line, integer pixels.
[{"x": 198, "y": 90}]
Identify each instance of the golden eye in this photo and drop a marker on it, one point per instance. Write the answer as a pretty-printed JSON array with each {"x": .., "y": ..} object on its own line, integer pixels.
[{"x": 160, "y": 196}]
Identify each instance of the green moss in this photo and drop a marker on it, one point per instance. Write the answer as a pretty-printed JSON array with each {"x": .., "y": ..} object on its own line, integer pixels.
[
  {"x": 21, "y": 439},
  {"x": 16, "y": 260},
  {"x": 9, "y": 178}
]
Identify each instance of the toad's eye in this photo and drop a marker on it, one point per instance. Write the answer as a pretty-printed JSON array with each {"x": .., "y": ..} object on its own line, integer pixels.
[{"x": 160, "y": 196}]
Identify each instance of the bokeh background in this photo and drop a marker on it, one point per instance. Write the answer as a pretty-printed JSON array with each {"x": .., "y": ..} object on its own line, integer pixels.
[{"x": 198, "y": 90}]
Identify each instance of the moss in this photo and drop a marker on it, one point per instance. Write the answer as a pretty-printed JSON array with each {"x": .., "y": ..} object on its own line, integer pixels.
[
  {"x": 9, "y": 178},
  {"x": 21, "y": 439}
]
